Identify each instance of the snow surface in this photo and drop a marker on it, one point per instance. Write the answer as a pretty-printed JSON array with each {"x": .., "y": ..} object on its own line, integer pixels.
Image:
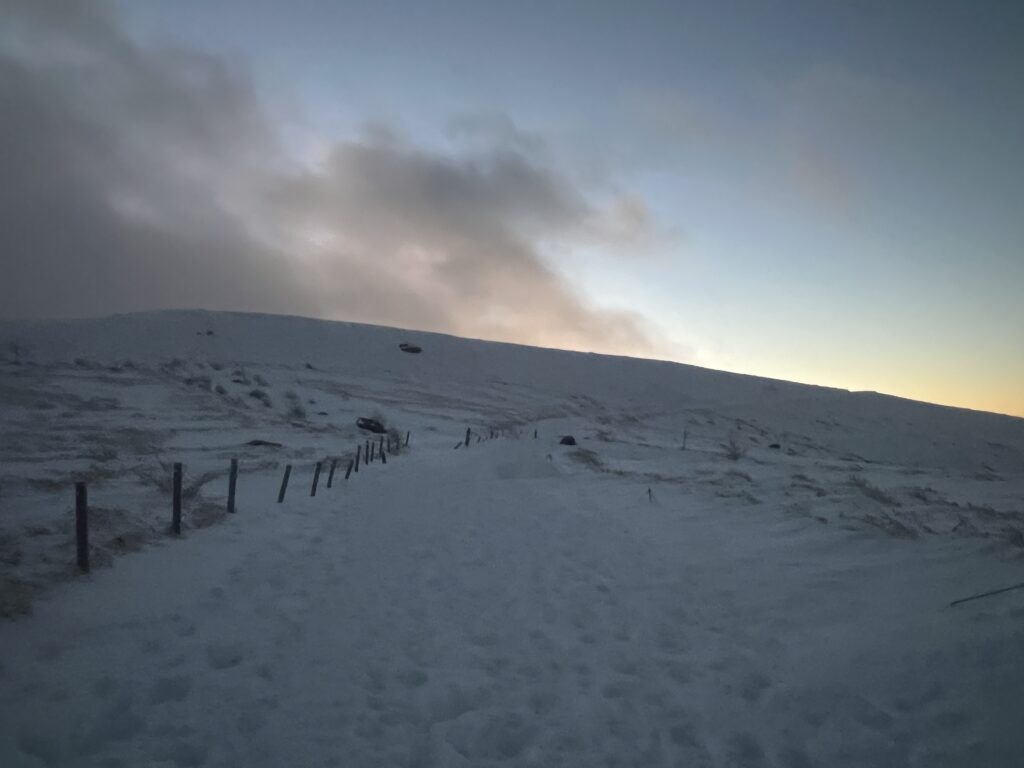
[{"x": 627, "y": 602}]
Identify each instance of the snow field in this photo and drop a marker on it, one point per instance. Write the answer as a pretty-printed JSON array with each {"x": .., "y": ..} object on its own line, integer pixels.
[{"x": 516, "y": 603}]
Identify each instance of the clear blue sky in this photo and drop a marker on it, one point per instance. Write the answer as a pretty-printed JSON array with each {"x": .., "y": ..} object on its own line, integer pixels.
[{"x": 837, "y": 188}]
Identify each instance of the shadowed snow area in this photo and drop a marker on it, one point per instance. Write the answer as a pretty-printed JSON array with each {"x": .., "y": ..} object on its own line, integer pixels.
[{"x": 725, "y": 571}]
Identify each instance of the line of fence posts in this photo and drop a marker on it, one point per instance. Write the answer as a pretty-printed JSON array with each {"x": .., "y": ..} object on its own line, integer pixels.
[{"x": 82, "y": 492}]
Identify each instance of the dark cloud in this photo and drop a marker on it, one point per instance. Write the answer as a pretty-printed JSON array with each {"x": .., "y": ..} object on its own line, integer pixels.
[{"x": 139, "y": 178}]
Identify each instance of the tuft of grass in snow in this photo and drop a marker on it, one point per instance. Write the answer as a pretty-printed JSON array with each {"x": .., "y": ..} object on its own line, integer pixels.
[
  {"x": 586, "y": 457},
  {"x": 161, "y": 477},
  {"x": 889, "y": 524},
  {"x": 739, "y": 475},
  {"x": 261, "y": 396},
  {"x": 734, "y": 450},
  {"x": 102, "y": 453},
  {"x": 15, "y": 597},
  {"x": 202, "y": 382},
  {"x": 925, "y": 494},
  {"x": 872, "y": 491},
  {"x": 295, "y": 408}
]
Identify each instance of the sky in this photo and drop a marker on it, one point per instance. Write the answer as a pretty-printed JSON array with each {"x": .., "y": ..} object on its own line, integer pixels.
[{"x": 825, "y": 192}]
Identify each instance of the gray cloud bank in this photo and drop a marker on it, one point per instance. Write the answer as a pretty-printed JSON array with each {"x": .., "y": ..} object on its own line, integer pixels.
[{"x": 140, "y": 178}]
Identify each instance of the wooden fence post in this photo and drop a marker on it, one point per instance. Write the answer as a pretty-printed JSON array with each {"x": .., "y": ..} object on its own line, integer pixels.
[
  {"x": 349, "y": 470},
  {"x": 407, "y": 439},
  {"x": 330, "y": 475},
  {"x": 383, "y": 457},
  {"x": 381, "y": 447},
  {"x": 232, "y": 482},
  {"x": 176, "y": 509},
  {"x": 358, "y": 449},
  {"x": 467, "y": 436},
  {"x": 284, "y": 483},
  {"x": 82, "y": 527},
  {"x": 316, "y": 479}
]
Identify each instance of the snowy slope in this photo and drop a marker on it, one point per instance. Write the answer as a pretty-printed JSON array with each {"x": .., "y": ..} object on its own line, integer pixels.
[{"x": 628, "y": 602}]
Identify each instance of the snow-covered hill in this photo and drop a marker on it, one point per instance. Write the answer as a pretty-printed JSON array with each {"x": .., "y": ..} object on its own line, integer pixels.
[{"x": 727, "y": 570}]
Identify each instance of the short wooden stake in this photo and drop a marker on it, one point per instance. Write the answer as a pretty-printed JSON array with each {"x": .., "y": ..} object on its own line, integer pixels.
[
  {"x": 358, "y": 449},
  {"x": 383, "y": 457},
  {"x": 407, "y": 439},
  {"x": 176, "y": 509},
  {"x": 232, "y": 483},
  {"x": 316, "y": 479},
  {"x": 348, "y": 471},
  {"x": 381, "y": 446},
  {"x": 330, "y": 474},
  {"x": 82, "y": 527},
  {"x": 467, "y": 436},
  {"x": 284, "y": 482}
]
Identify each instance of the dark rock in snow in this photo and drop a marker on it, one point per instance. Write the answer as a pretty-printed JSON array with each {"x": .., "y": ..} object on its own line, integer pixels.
[
  {"x": 410, "y": 348},
  {"x": 370, "y": 425},
  {"x": 775, "y": 446},
  {"x": 567, "y": 440}
]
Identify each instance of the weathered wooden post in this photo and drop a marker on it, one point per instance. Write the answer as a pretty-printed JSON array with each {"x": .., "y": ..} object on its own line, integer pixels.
[
  {"x": 176, "y": 508},
  {"x": 407, "y": 439},
  {"x": 82, "y": 527},
  {"x": 316, "y": 479},
  {"x": 535, "y": 434},
  {"x": 330, "y": 474},
  {"x": 358, "y": 449},
  {"x": 468, "y": 430},
  {"x": 381, "y": 446},
  {"x": 284, "y": 483},
  {"x": 232, "y": 482},
  {"x": 348, "y": 471},
  {"x": 383, "y": 457}
]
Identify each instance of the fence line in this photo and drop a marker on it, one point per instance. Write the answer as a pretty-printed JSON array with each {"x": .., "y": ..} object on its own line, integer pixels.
[{"x": 365, "y": 451}]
